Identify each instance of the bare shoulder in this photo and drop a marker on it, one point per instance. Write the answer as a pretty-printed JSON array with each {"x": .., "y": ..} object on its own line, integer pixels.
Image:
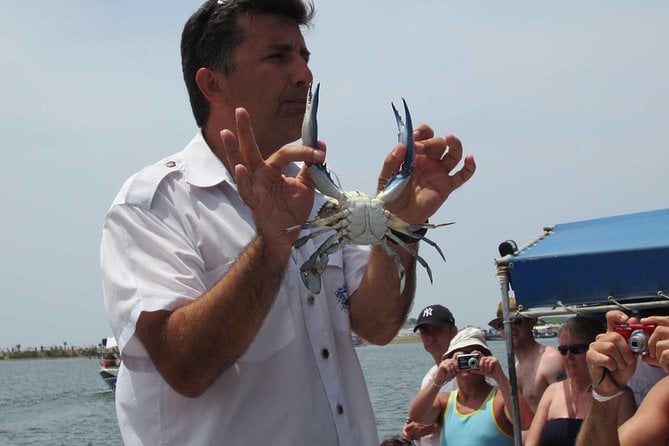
[
  {"x": 551, "y": 366},
  {"x": 553, "y": 389},
  {"x": 442, "y": 399},
  {"x": 549, "y": 352},
  {"x": 553, "y": 392}
]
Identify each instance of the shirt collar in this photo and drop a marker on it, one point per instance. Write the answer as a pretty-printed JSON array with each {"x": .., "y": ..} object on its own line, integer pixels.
[{"x": 203, "y": 168}]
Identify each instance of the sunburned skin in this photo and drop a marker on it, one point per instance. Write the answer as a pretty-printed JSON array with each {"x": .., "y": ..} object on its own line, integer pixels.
[{"x": 537, "y": 365}]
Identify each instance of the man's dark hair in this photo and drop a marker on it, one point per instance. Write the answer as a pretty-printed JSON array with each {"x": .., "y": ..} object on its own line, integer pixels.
[{"x": 212, "y": 33}]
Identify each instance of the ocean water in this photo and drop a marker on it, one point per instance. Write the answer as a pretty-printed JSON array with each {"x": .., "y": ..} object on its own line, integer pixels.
[
  {"x": 65, "y": 402},
  {"x": 56, "y": 402}
]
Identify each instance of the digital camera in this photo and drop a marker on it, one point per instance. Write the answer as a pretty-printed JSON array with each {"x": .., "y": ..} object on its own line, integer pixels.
[
  {"x": 469, "y": 361},
  {"x": 636, "y": 335}
]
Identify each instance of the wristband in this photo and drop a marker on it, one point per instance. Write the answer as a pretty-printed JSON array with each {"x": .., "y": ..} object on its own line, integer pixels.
[
  {"x": 409, "y": 238},
  {"x": 602, "y": 398},
  {"x": 434, "y": 381}
]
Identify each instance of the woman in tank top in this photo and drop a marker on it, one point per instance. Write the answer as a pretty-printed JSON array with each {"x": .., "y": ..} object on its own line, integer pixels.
[
  {"x": 477, "y": 413},
  {"x": 564, "y": 404}
]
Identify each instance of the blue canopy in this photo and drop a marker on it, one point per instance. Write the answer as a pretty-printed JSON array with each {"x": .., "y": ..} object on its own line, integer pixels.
[{"x": 581, "y": 263}]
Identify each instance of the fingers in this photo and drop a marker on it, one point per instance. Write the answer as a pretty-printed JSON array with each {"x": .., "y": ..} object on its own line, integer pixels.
[
  {"x": 422, "y": 132},
  {"x": 656, "y": 320},
  {"x": 244, "y": 186},
  {"x": 610, "y": 350},
  {"x": 247, "y": 142},
  {"x": 615, "y": 317},
  {"x": 453, "y": 153},
  {"x": 488, "y": 366},
  {"x": 242, "y": 149},
  {"x": 465, "y": 173},
  {"x": 391, "y": 165},
  {"x": 658, "y": 343},
  {"x": 296, "y": 153},
  {"x": 231, "y": 149}
]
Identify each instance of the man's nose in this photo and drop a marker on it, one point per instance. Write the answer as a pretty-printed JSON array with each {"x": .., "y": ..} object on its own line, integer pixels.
[{"x": 302, "y": 75}]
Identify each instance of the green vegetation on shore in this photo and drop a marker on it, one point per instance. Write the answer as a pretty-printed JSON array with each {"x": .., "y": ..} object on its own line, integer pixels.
[
  {"x": 48, "y": 352},
  {"x": 405, "y": 339}
]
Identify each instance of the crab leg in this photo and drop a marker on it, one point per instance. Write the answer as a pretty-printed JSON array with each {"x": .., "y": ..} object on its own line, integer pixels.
[
  {"x": 398, "y": 264},
  {"x": 313, "y": 268},
  {"x": 414, "y": 253}
]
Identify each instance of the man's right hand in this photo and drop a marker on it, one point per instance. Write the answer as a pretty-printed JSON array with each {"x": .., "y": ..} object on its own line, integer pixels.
[
  {"x": 277, "y": 201},
  {"x": 610, "y": 351}
]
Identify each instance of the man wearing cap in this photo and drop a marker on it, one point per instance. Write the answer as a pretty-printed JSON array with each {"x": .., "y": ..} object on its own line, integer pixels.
[
  {"x": 477, "y": 413},
  {"x": 537, "y": 365},
  {"x": 436, "y": 326}
]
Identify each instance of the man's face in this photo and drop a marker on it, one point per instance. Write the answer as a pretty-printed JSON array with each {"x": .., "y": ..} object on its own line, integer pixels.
[
  {"x": 436, "y": 339},
  {"x": 521, "y": 330},
  {"x": 271, "y": 79}
]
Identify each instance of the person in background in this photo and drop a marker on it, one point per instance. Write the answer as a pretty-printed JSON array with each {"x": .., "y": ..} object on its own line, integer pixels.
[
  {"x": 436, "y": 326},
  {"x": 397, "y": 440},
  {"x": 564, "y": 404},
  {"x": 476, "y": 413},
  {"x": 221, "y": 341},
  {"x": 537, "y": 365},
  {"x": 611, "y": 364},
  {"x": 646, "y": 375}
]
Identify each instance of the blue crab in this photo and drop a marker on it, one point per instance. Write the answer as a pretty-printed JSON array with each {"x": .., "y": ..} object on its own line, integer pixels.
[{"x": 355, "y": 217}]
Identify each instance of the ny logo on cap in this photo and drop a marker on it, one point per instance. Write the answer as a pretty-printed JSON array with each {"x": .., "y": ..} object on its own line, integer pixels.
[{"x": 427, "y": 312}]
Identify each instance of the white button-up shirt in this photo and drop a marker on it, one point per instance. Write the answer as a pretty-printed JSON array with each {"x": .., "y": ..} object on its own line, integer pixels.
[{"x": 172, "y": 232}]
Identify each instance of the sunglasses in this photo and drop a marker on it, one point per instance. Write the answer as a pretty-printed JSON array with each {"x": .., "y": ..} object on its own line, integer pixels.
[
  {"x": 516, "y": 323},
  {"x": 575, "y": 349}
]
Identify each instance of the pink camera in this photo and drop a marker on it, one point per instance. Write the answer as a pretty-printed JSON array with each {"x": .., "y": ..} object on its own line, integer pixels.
[{"x": 636, "y": 335}]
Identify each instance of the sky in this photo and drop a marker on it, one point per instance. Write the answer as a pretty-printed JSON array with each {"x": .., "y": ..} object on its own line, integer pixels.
[{"x": 564, "y": 106}]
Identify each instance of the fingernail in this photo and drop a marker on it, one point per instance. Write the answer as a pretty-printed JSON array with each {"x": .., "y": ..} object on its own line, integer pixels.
[{"x": 319, "y": 156}]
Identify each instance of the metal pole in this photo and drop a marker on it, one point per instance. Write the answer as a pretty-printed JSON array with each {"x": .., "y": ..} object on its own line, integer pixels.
[{"x": 502, "y": 274}]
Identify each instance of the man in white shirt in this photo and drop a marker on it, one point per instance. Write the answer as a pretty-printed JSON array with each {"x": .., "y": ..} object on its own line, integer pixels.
[{"x": 221, "y": 342}]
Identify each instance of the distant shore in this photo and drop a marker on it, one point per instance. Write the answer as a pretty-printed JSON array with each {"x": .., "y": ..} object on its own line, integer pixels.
[
  {"x": 405, "y": 339},
  {"x": 49, "y": 352}
]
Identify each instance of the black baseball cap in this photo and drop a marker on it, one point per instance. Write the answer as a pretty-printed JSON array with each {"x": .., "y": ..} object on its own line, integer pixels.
[{"x": 434, "y": 315}]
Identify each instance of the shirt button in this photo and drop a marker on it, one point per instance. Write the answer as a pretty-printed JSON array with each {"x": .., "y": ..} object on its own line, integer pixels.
[
  {"x": 340, "y": 409},
  {"x": 311, "y": 300},
  {"x": 170, "y": 164},
  {"x": 325, "y": 353}
]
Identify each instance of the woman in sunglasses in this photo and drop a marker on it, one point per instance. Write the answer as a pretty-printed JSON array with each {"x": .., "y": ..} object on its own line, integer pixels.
[{"x": 564, "y": 404}]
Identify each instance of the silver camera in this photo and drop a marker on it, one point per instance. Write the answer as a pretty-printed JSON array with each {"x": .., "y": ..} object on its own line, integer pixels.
[{"x": 469, "y": 361}]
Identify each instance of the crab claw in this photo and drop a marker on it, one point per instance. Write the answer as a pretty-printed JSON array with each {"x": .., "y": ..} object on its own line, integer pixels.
[
  {"x": 310, "y": 124},
  {"x": 318, "y": 172},
  {"x": 397, "y": 183}
]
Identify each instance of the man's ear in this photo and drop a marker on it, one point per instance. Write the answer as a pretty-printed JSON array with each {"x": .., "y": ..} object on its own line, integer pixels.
[{"x": 211, "y": 84}]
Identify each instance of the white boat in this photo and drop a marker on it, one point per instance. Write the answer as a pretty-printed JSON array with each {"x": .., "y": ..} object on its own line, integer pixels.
[{"x": 110, "y": 360}]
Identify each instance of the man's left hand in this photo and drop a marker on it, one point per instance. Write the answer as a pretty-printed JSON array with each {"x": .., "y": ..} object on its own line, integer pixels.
[{"x": 433, "y": 179}]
